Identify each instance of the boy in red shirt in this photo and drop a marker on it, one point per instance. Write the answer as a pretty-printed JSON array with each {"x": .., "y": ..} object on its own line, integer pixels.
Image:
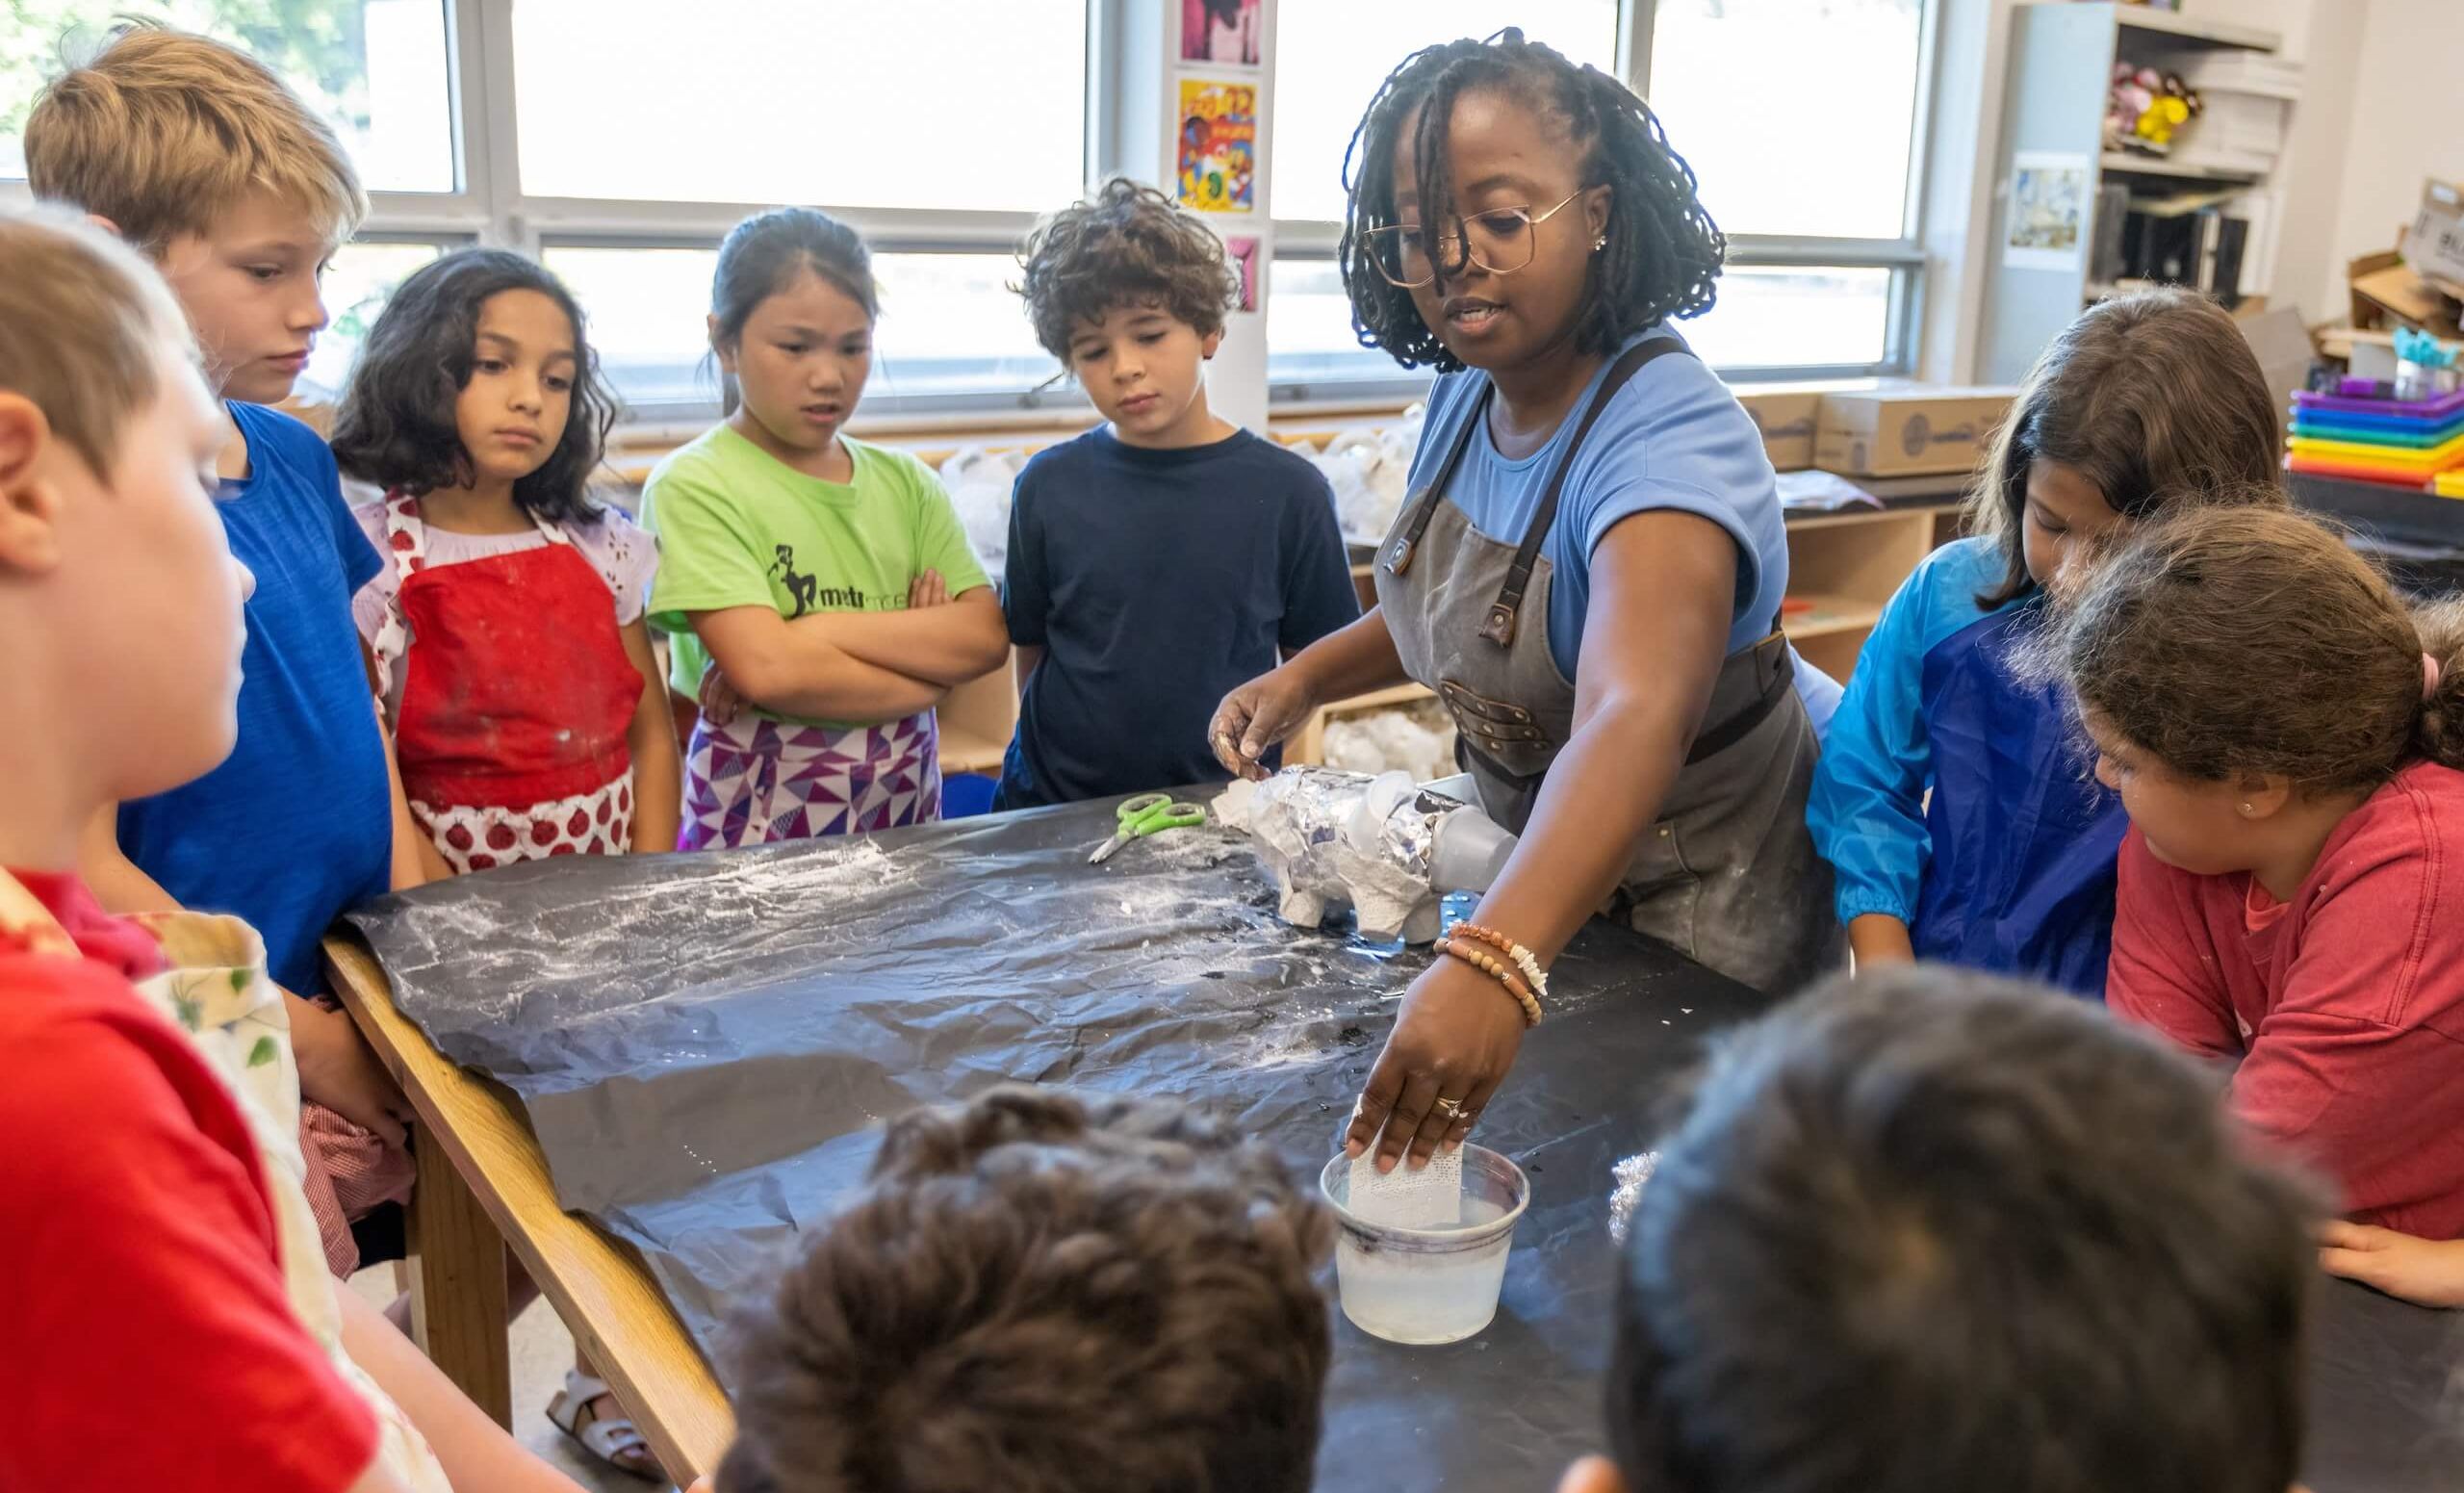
[
  {"x": 161, "y": 1253},
  {"x": 2286, "y": 738}
]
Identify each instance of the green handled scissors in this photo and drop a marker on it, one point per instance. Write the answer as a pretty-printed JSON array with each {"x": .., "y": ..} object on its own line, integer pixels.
[{"x": 1149, "y": 813}]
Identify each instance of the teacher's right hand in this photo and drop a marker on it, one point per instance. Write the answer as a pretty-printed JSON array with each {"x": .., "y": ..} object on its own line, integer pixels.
[{"x": 1254, "y": 718}]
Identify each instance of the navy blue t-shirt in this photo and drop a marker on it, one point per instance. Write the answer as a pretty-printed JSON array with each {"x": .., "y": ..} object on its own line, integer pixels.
[
  {"x": 1156, "y": 581},
  {"x": 298, "y": 824}
]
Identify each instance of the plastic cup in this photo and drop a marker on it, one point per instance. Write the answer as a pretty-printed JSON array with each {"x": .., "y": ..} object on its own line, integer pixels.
[{"x": 1428, "y": 1285}]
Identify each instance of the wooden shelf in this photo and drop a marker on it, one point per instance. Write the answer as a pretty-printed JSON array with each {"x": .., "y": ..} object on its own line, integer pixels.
[
  {"x": 967, "y": 751},
  {"x": 2156, "y": 166},
  {"x": 1830, "y": 614},
  {"x": 2176, "y": 26}
]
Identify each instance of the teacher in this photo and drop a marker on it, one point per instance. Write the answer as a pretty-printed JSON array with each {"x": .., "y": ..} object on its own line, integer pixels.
[{"x": 1588, "y": 572}]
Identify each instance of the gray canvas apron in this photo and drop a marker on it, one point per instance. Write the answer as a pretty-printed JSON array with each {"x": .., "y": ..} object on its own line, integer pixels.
[{"x": 1727, "y": 875}]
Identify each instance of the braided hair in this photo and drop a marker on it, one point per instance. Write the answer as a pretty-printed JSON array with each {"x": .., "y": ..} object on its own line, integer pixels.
[{"x": 1663, "y": 251}]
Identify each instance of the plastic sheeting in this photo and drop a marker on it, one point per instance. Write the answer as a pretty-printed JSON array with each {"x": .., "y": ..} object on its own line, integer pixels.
[{"x": 706, "y": 1046}]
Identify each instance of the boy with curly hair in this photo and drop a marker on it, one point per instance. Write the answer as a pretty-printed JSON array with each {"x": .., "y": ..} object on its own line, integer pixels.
[
  {"x": 1045, "y": 1293},
  {"x": 1167, "y": 555}
]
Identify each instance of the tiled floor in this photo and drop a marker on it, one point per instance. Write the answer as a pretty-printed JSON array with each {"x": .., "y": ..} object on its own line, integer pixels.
[{"x": 542, "y": 1351}]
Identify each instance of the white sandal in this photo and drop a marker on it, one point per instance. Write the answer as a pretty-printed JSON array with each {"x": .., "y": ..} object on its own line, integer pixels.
[{"x": 613, "y": 1440}]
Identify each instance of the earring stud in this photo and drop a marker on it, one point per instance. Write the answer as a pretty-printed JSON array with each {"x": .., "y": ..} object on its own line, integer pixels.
[{"x": 1598, "y": 244}]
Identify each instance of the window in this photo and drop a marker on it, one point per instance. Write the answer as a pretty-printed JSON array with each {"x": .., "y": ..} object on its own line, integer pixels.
[
  {"x": 1800, "y": 118},
  {"x": 950, "y": 328},
  {"x": 846, "y": 104},
  {"x": 357, "y": 285},
  {"x": 1330, "y": 57},
  {"x": 1797, "y": 115},
  {"x": 375, "y": 68}
]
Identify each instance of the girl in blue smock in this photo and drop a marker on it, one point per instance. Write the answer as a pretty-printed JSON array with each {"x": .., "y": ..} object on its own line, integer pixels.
[{"x": 1959, "y": 815}]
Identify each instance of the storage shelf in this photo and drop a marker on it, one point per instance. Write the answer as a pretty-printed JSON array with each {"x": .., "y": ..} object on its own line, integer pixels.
[
  {"x": 1830, "y": 614},
  {"x": 2154, "y": 165},
  {"x": 2179, "y": 27}
]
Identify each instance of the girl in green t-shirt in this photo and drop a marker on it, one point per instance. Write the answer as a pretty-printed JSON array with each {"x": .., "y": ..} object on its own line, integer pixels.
[{"x": 820, "y": 591}]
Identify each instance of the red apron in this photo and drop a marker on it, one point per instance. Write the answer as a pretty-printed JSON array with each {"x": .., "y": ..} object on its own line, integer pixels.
[{"x": 517, "y": 700}]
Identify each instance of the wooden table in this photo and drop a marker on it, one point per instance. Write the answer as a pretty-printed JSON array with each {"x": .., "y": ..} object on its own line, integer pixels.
[{"x": 483, "y": 1186}]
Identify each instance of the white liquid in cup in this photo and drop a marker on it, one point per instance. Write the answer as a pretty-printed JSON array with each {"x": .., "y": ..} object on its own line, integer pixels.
[{"x": 1433, "y": 1285}]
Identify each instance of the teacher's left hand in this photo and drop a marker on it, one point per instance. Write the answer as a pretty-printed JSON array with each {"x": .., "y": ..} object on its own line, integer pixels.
[{"x": 1458, "y": 1036}]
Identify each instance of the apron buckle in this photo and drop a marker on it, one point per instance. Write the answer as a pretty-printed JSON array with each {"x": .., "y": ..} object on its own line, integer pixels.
[
  {"x": 1398, "y": 560},
  {"x": 1499, "y": 628}
]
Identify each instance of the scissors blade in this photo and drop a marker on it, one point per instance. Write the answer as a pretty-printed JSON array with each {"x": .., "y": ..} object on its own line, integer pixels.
[{"x": 1109, "y": 849}]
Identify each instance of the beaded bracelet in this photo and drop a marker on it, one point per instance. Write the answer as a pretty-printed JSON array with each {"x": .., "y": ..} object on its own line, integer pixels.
[
  {"x": 1524, "y": 959},
  {"x": 1496, "y": 970}
]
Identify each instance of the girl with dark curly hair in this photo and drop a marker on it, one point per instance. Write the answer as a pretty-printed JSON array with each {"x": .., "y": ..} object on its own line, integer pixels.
[
  {"x": 1589, "y": 574},
  {"x": 526, "y": 709}
]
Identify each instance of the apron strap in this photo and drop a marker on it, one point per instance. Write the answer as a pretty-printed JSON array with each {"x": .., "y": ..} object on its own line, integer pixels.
[
  {"x": 1775, "y": 674},
  {"x": 406, "y": 554},
  {"x": 1424, "y": 505},
  {"x": 1504, "y": 612}
]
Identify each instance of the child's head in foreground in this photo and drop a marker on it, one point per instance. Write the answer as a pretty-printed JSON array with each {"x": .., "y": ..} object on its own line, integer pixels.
[
  {"x": 120, "y": 624},
  {"x": 1130, "y": 292},
  {"x": 1042, "y": 1291},
  {"x": 2242, "y": 670},
  {"x": 2145, "y": 398},
  {"x": 1935, "y": 1229},
  {"x": 197, "y": 154}
]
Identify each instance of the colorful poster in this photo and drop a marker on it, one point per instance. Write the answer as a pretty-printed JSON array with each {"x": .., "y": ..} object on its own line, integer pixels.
[
  {"x": 1243, "y": 253},
  {"x": 1218, "y": 146},
  {"x": 1222, "y": 32}
]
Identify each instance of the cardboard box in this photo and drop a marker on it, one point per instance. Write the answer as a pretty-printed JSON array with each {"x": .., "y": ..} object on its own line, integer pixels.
[
  {"x": 1786, "y": 418},
  {"x": 1916, "y": 430},
  {"x": 2434, "y": 245},
  {"x": 2386, "y": 293}
]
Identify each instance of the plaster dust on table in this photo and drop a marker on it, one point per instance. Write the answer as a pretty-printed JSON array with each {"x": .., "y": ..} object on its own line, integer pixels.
[
  {"x": 705, "y": 1046},
  {"x": 1627, "y": 1191}
]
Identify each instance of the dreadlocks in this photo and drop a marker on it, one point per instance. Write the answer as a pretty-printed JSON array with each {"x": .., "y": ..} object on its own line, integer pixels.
[{"x": 1664, "y": 250}]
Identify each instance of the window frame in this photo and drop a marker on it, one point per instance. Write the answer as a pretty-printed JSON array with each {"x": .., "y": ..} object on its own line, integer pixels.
[
  {"x": 1904, "y": 256},
  {"x": 489, "y": 207}
]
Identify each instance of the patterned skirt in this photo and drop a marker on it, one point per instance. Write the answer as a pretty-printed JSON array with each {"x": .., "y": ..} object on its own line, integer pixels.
[{"x": 755, "y": 781}]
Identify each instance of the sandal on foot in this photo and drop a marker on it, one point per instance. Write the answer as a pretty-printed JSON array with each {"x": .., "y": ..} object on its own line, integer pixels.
[{"x": 612, "y": 1439}]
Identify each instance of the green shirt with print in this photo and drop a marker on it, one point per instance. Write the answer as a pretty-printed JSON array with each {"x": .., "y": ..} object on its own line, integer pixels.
[{"x": 739, "y": 528}]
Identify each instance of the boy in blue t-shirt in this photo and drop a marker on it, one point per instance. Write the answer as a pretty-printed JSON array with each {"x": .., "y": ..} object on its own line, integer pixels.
[{"x": 1159, "y": 560}]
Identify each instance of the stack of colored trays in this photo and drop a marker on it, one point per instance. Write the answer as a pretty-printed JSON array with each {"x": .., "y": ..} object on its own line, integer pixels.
[{"x": 2407, "y": 443}]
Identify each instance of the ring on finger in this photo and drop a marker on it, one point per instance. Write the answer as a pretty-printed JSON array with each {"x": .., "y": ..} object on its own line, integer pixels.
[{"x": 1452, "y": 1109}]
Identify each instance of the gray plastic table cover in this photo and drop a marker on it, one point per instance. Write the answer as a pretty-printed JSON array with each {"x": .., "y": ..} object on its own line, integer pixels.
[{"x": 706, "y": 1045}]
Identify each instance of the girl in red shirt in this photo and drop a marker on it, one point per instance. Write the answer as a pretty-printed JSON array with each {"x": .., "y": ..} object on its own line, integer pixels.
[{"x": 2286, "y": 736}]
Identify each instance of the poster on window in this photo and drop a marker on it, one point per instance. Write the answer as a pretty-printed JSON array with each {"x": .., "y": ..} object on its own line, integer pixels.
[
  {"x": 1221, "y": 32},
  {"x": 1244, "y": 254},
  {"x": 1218, "y": 146},
  {"x": 2048, "y": 210}
]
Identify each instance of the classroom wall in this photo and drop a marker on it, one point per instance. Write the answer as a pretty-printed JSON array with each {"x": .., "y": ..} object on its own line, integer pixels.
[
  {"x": 2375, "y": 118},
  {"x": 2407, "y": 122},
  {"x": 1971, "y": 40}
]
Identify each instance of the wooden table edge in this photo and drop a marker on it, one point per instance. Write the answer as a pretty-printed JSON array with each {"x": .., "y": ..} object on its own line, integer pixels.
[{"x": 599, "y": 1288}]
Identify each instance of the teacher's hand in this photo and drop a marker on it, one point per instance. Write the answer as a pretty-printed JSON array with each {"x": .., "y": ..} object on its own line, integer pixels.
[
  {"x": 1458, "y": 1036},
  {"x": 1259, "y": 714}
]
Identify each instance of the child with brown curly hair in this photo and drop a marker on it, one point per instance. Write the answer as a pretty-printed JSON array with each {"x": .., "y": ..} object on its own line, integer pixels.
[
  {"x": 1164, "y": 557},
  {"x": 1045, "y": 1292},
  {"x": 2286, "y": 738}
]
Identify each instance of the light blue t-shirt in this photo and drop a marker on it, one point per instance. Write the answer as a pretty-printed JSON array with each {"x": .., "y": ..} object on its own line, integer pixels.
[{"x": 1673, "y": 438}]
